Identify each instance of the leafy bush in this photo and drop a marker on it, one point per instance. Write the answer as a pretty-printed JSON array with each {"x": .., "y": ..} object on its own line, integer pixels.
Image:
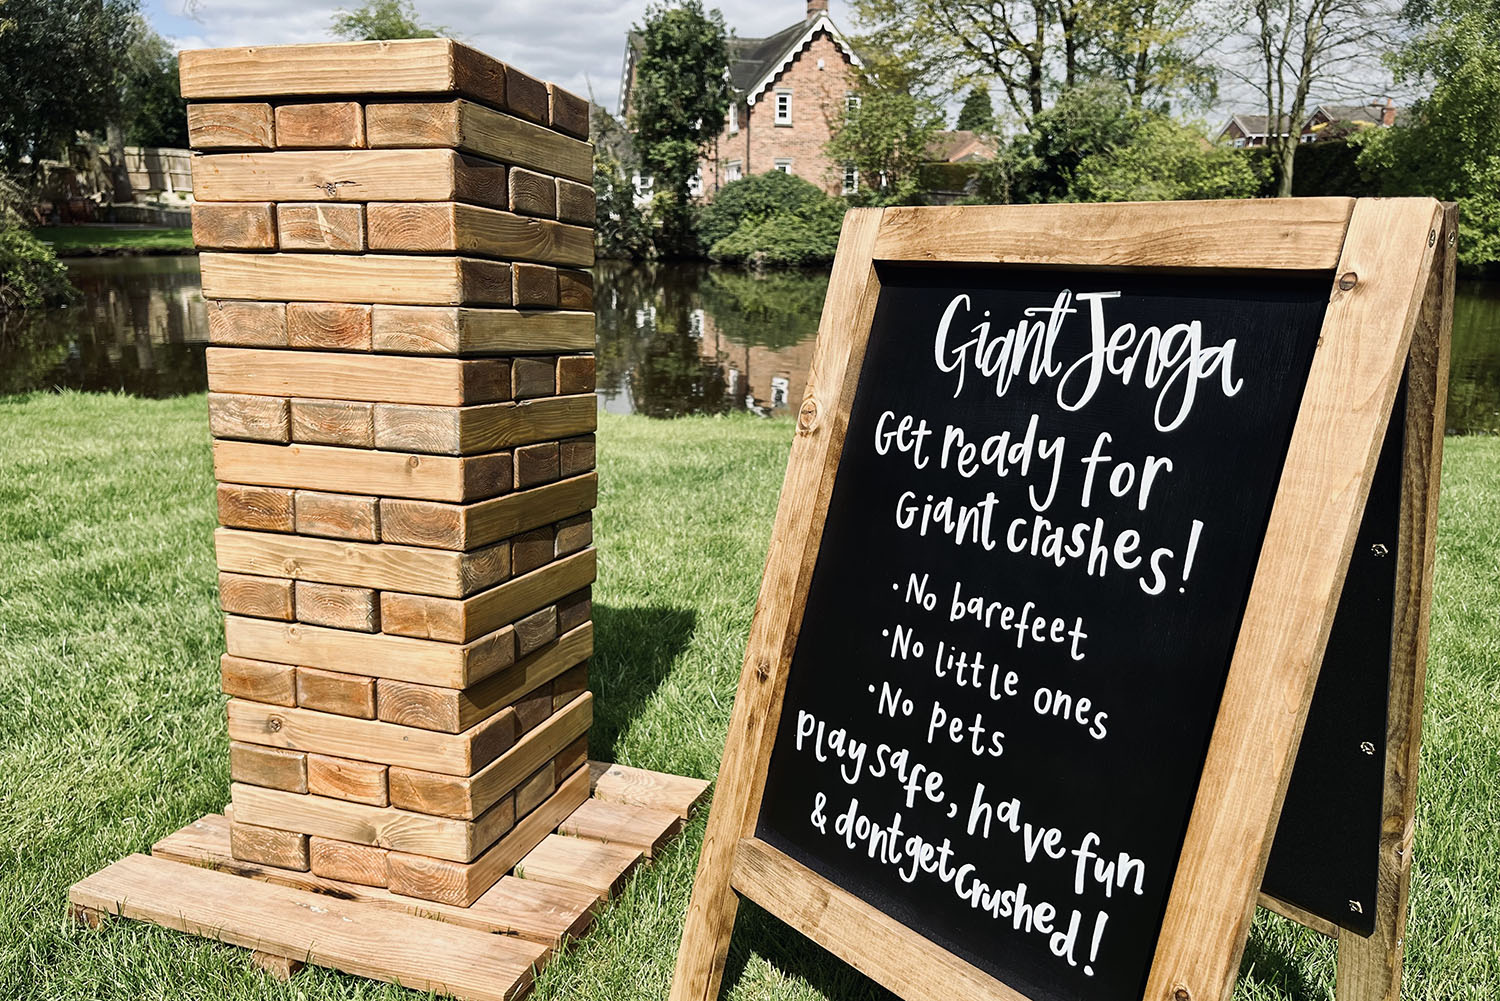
[
  {"x": 755, "y": 199},
  {"x": 30, "y": 274},
  {"x": 787, "y": 240}
]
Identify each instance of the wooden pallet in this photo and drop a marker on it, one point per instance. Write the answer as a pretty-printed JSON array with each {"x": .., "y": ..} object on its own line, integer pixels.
[{"x": 489, "y": 951}]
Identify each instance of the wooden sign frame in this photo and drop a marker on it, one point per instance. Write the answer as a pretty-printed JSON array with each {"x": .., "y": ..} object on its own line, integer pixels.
[{"x": 1390, "y": 268}]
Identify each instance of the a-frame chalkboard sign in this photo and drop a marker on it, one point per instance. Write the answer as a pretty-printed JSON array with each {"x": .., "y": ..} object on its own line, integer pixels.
[{"x": 1063, "y": 539}]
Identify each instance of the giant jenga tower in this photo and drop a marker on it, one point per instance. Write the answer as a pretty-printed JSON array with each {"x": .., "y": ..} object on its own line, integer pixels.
[{"x": 401, "y": 383}]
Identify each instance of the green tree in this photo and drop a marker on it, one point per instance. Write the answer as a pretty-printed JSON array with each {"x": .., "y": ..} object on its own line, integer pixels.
[
  {"x": 620, "y": 229},
  {"x": 153, "y": 111},
  {"x": 678, "y": 104},
  {"x": 1161, "y": 160},
  {"x": 886, "y": 133},
  {"x": 61, "y": 62},
  {"x": 378, "y": 20},
  {"x": 977, "y": 113}
]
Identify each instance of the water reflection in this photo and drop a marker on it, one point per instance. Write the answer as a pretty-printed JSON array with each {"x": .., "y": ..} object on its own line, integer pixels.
[{"x": 673, "y": 339}]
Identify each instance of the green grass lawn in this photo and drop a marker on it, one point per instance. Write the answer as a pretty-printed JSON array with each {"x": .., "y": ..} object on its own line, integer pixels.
[
  {"x": 112, "y": 731},
  {"x": 71, "y": 241}
]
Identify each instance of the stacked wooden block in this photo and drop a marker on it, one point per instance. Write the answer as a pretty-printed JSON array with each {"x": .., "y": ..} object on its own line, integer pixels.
[{"x": 394, "y": 241}]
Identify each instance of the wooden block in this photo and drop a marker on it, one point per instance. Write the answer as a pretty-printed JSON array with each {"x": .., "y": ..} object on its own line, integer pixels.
[
  {"x": 486, "y": 428},
  {"x": 436, "y": 65},
  {"x": 476, "y": 129},
  {"x": 321, "y": 226},
  {"x": 335, "y": 691},
  {"x": 336, "y": 326},
  {"x": 467, "y": 526},
  {"x": 468, "y": 796},
  {"x": 374, "y": 378},
  {"x": 534, "y": 791},
  {"x": 325, "y": 125},
  {"x": 434, "y": 879},
  {"x": 574, "y": 610},
  {"x": 532, "y": 193},
  {"x": 234, "y": 225},
  {"x": 257, "y": 418},
  {"x": 532, "y": 550},
  {"x": 345, "y": 778},
  {"x": 230, "y": 126},
  {"x": 567, "y": 112},
  {"x": 262, "y": 508},
  {"x": 347, "y": 861},
  {"x": 638, "y": 827},
  {"x": 532, "y": 377},
  {"x": 340, "y": 607},
  {"x": 575, "y": 374},
  {"x": 576, "y": 204},
  {"x": 574, "y": 534},
  {"x": 375, "y": 942},
  {"x": 461, "y": 228},
  {"x": 448, "y": 665},
  {"x": 374, "y": 741},
  {"x": 258, "y": 680},
  {"x": 429, "y": 330},
  {"x": 575, "y": 755},
  {"x": 248, "y": 324},
  {"x": 439, "y": 281},
  {"x": 276, "y": 967},
  {"x": 338, "y": 516},
  {"x": 384, "y": 567},
  {"x": 536, "y": 630},
  {"x": 365, "y": 175},
  {"x": 525, "y": 95},
  {"x": 536, "y": 464},
  {"x": 333, "y": 422},
  {"x": 458, "y": 620},
  {"x": 570, "y": 684},
  {"x": 640, "y": 787},
  {"x": 575, "y": 290},
  {"x": 381, "y": 826},
  {"x": 534, "y": 708},
  {"x": 575, "y": 456},
  {"x": 452, "y": 711},
  {"x": 513, "y": 907},
  {"x": 347, "y": 470},
  {"x": 264, "y": 597},
  {"x": 268, "y": 846},
  {"x": 535, "y": 285},
  {"x": 586, "y": 865},
  {"x": 272, "y": 767}
]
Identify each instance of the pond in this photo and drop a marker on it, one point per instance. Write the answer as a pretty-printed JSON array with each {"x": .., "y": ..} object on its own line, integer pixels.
[{"x": 673, "y": 339}]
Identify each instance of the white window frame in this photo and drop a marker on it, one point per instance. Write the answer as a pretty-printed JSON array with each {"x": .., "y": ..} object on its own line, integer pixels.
[
  {"x": 852, "y": 102},
  {"x": 783, "y": 107},
  {"x": 733, "y": 171},
  {"x": 734, "y": 119},
  {"x": 695, "y": 184},
  {"x": 784, "y": 164},
  {"x": 851, "y": 179}
]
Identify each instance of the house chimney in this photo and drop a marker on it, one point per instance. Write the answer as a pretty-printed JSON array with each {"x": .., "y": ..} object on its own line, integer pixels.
[{"x": 816, "y": 7}]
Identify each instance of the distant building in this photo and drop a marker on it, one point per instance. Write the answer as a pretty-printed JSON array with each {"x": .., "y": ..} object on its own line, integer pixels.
[
  {"x": 789, "y": 90},
  {"x": 1327, "y": 121},
  {"x": 960, "y": 146}
]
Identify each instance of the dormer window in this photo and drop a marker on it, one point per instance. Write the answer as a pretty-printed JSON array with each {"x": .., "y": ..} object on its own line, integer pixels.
[{"x": 783, "y": 107}]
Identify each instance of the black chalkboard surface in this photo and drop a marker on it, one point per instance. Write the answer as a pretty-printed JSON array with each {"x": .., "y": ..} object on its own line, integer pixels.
[{"x": 1040, "y": 541}]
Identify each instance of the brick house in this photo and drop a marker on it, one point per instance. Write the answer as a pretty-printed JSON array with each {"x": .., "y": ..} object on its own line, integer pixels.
[
  {"x": 788, "y": 91},
  {"x": 1325, "y": 121}
]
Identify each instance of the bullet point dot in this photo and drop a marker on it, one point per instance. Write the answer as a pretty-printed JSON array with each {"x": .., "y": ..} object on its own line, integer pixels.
[
  {"x": 885, "y": 632},
  {"x": 895, "y": 587},
  {"x": 872, "y": 689},
  {"x": 1182, "y": 590}
]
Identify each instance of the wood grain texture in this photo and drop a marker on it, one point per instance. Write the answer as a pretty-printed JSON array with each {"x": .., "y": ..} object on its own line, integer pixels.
[
  {"x": 466, "y": 526},
  {"x": 1305, "y": 235},
  {"x": 645, "y": 829},
  {"x": 234, "y": 225},
  {"x": 532, "y": 911},
  {"x": 336, "y": 326},
  {"x": 575, "y": 202},
  {"x": 337, "y": 516},
  {"x": 379, "y": 943},
  {"x": 1366, "y": 336},
  {"x": 272, "y": 767},
  {"x": 368, "y": 278},
  {"x": 486, "y": 428},
  {"x": 333, "y": 422},
  {"x": 430, "y": 878},
  {"x": 339, "y": 607},
  {"x": 567, "y": 112},
  {"x": 575, "y": 289},
  {"x": 470, "y": 795},
  {"x": 348, "y": 470},
  {"x": 267, "y": 509},
  {"x": 1369, "y": 969},
  {"x": 427, "y": 330},
  {"x": 842, "y": 333},
  {"x": 248, "y": 324},
  {"x": 374, "y": 378},
  {"x": 533, "y": 286},
  {"x": 459, "y": 620},
  {"x": 231, "y": 126},
  {"x": 321, "y": 226},
  {"x": 532, "y": 193},
  {"x": 584, "y": 865},
  {"x": 249, "y": 417},
  {"x": 268, "y": 846},
  {"x": 411, "y": 66},
  {"x": 677, "y": 794},
  {"x": 449, "y": 665},
  {"x": 476, "y": 129},
  {"x": 454, "y": 710},
  {"x": 525, "y": 95},
  {"x": 455, "y": 227},
  {"x": 258, "y": 680},
  {"x": 335, "y": 691},
  {"x": 348, "y": 779},
  {"x": 867, "y": 939},
  {"x": 363, "y": 175},
  {"x": 263, "y": 597},
  {"x": 320, "y": 125},
  {"x": 276, "y": 967},
  {"x": 346, "y": 861}
]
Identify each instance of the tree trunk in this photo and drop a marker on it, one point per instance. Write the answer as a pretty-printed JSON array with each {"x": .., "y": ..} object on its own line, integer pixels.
[
  {"x": 1288, "y": 158},
  {"x": 119, "y": 177}
]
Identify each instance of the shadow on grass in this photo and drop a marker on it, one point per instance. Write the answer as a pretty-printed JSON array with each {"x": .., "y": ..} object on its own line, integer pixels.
[
  {"x": 796, "y": 957},
  {"x": 634, "y": 648},
  {"x": 1275, "y": 968}
]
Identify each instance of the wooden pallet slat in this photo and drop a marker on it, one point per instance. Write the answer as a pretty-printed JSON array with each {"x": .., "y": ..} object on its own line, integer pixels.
[
  {"x": 639, "y": 787},
  {"x": 639, "y": 827},
  {"x": 587, "y": 865}
]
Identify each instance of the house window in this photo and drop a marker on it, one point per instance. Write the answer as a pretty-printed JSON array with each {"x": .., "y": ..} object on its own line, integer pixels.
[
  {"x": 734, "y": 118},
  {"x": 783, "y": 107},
  {"x": 695, "y": 186},
  {"x": 851, "y": 103},
  {"x": 851, "y": 178},
  {"x": 644, "y": 184},
  {"x": 1239, "y": 142},
  {"x": 781, "y": 389},
  {"x": 785, "y": 166},
  {"x": 732, "y": 171}
]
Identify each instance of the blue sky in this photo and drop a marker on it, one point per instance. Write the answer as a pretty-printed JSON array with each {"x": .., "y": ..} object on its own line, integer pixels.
[{"x": 574, "y": 43}]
